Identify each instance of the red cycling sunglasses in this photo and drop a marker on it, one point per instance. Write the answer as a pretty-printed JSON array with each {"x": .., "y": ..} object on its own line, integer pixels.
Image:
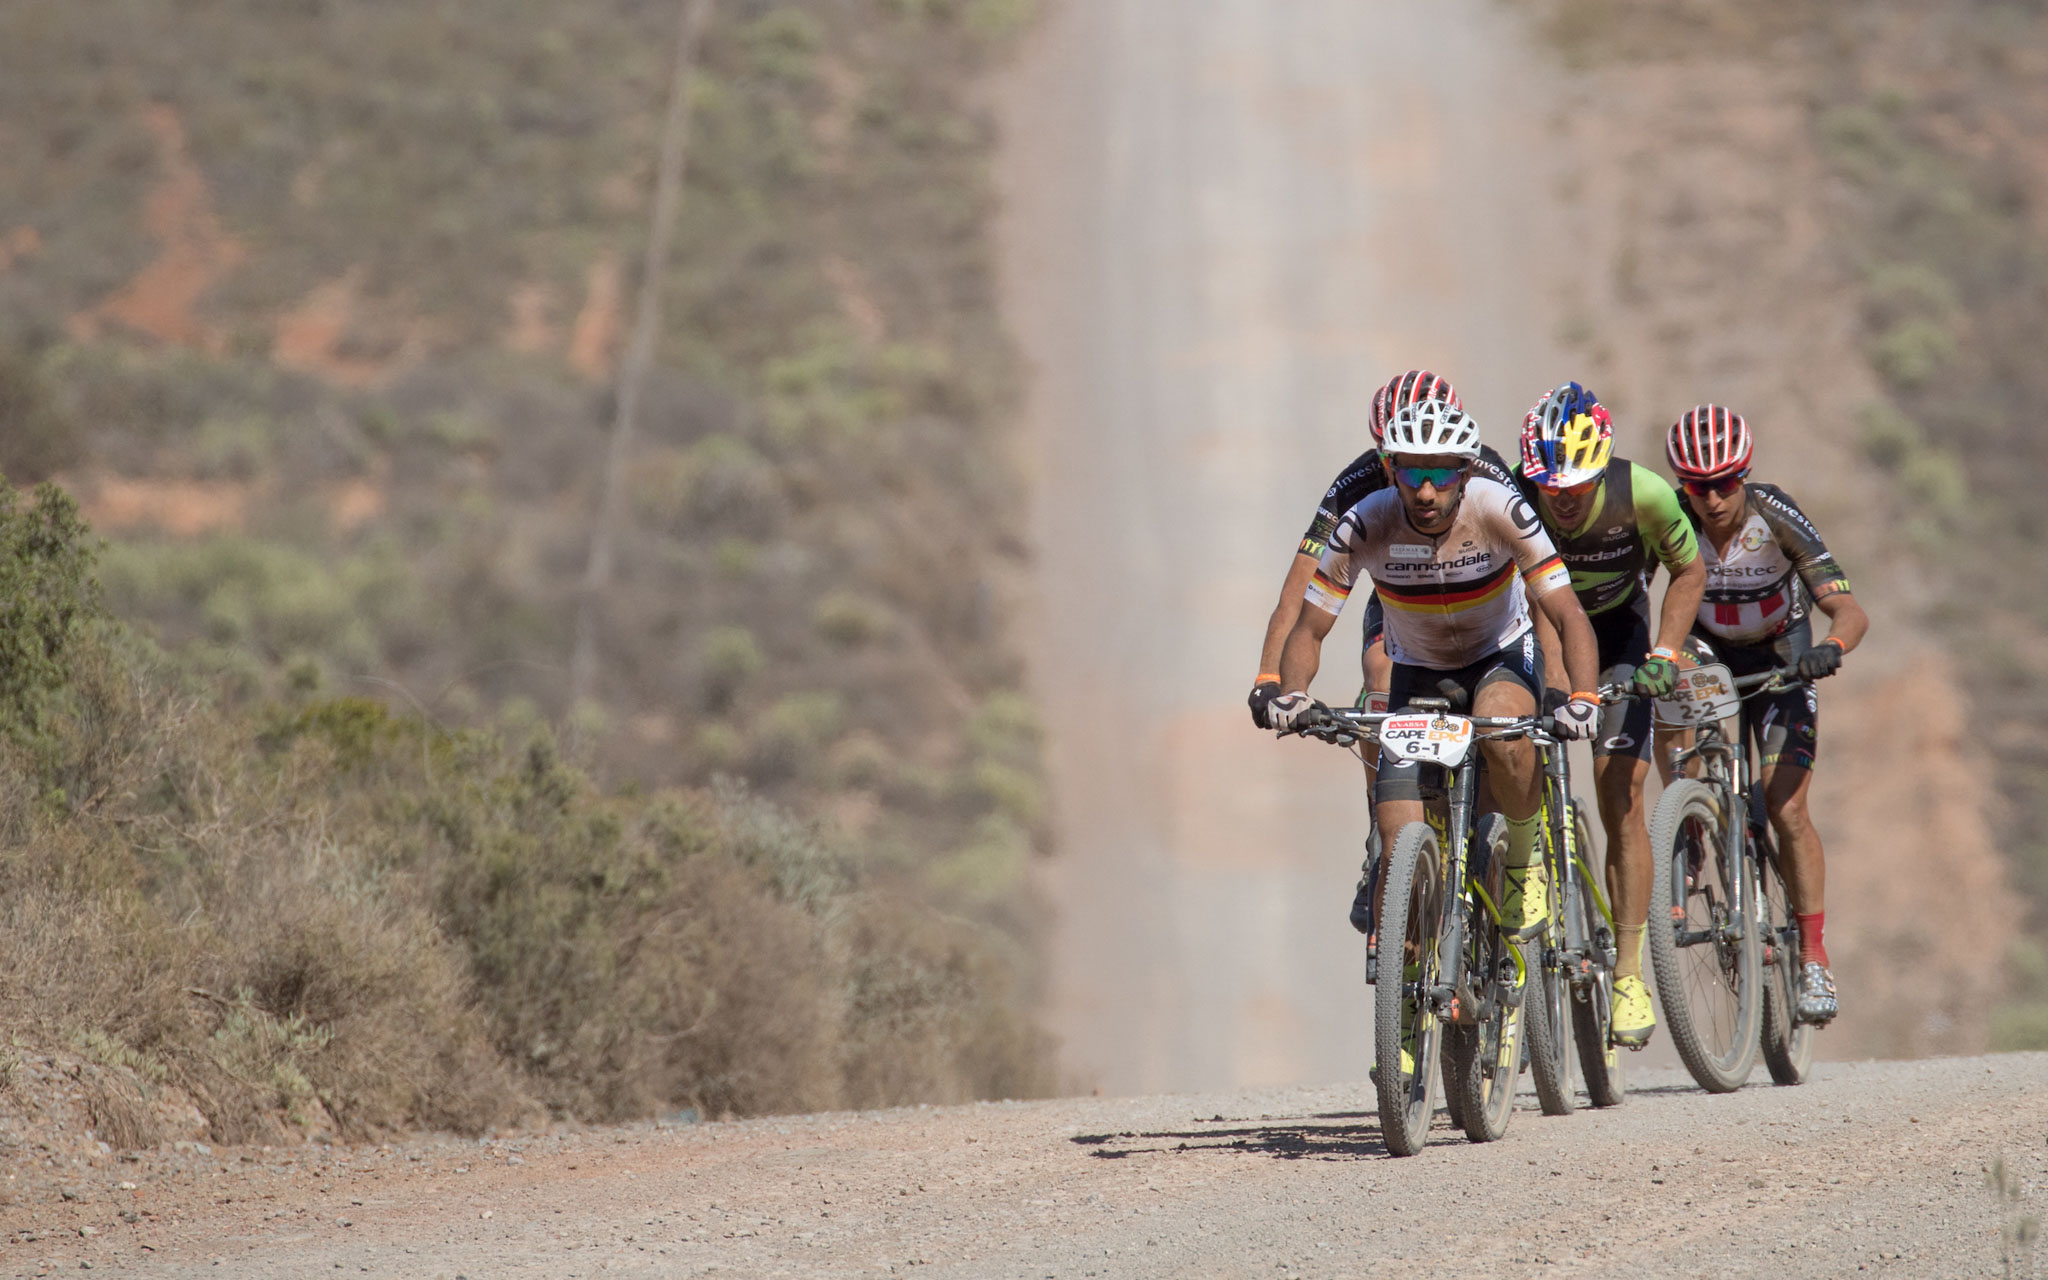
[
  {"x": 1726, "y": 484},
  {"x": 1578, "y": 490}
]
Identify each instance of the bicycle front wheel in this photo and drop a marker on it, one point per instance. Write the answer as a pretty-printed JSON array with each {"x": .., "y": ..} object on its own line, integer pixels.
[
  {"x": 1406, "y": 1034},
  {"x": 1705, "y": 945},
  {"x": 1787, "y": 1042}
]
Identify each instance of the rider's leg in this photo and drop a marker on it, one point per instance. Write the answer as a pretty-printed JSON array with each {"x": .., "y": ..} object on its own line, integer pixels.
[
  {"x": 1517, "y": 782},
  {"x": 1517, "y": 779},
  {"x": 1785, "y": 790},
  {"x": 1618, "y": 783},
  {"x": 1378, "y": 670}
]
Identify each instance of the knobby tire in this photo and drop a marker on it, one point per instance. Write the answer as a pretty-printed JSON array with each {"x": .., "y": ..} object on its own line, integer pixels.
[
  {"x": 1483, "y": 1062},
  {"x": 1600, "y": 1063},
  {"x": 1412, "y": 924},
  {"x": 1787, "y": 1044},
  {"x": 1711, "y": 991}
]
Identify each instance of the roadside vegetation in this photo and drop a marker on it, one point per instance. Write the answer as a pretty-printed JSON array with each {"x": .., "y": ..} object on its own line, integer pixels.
[
  {"x": 315, "y": 308},
  {"x": 1932, "y": 117}
]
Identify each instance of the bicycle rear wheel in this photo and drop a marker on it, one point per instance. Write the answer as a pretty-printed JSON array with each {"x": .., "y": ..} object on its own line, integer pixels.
[
  {"x": 1548, "y": 1025},
  {"x": 1482, "y": 1061},
  {"x": 1410, "y": 928},
  {"x": 1705, "y": 947},
  {"x": 1787, "y": 1043},
  {"x": 1593, "y": 993}
]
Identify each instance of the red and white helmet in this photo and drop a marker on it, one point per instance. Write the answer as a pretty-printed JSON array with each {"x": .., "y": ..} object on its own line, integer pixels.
[
  {"x": 1411, "y": 388},
  {"x": 1708, "y": 443}
]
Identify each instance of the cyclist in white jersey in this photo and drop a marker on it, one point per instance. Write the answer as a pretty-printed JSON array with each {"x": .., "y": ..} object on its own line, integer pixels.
[{"x": 1456, "y": 560}]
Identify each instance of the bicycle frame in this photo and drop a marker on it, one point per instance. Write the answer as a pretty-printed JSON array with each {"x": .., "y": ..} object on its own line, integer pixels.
[{"x": 1445, "y": 989}]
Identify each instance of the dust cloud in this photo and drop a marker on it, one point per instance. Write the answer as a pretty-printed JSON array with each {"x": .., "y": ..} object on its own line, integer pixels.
[{"x": 1228, "y": 222}]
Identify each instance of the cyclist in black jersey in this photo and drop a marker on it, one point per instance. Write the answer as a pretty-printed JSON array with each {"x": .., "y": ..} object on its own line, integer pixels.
[
  {"x": 1613, "y": 523},
  {"x": 1366, "y": 475},
  {"x": 1767, "y": 571}
]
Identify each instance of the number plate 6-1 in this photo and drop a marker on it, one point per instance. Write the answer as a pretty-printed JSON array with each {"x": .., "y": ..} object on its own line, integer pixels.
[
  {"x": 1427, "y": 739},
  {"x": 1703, "y": 695}
]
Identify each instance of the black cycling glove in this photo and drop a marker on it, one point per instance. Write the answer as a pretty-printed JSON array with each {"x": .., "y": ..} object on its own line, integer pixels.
[
  {"x": 1821, "y": 661},
  {"x": 1262, "y": 693}
]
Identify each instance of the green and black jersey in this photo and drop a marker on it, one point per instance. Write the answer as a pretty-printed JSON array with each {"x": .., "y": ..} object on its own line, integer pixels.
[{"x": 1634, "y": 525}]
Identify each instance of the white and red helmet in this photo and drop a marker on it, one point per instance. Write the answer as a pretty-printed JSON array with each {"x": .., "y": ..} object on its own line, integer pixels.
[
  {"x": 1410, "y": 388},
  {"x": 1709, "y": 443}
]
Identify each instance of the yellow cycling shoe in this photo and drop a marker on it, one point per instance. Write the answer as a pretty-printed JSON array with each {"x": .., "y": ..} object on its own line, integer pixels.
[
  {"x": 1634, "y": 1020},
  {"x": 1407, "y": 1064},
  {"x": 1524, "y": 900}
]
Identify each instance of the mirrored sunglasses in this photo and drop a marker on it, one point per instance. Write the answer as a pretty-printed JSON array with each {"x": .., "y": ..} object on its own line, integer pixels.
[{"x": 1441, "y": 477}]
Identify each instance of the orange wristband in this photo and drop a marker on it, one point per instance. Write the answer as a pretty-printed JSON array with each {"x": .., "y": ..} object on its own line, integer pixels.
[
  {"x": 1593, "y": 698},
  {"x": 1264, "y": 676}
]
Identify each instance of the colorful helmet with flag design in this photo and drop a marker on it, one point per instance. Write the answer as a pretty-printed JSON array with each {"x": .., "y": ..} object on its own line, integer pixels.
[{"x": 1567, "y": 438}]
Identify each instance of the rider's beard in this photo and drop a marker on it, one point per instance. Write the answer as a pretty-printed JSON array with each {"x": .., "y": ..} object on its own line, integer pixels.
[{"x": 1433, "y": 523}]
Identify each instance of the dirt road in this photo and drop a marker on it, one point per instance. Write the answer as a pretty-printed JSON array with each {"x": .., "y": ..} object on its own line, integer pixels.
[{"x": 1871, "y": 1168}]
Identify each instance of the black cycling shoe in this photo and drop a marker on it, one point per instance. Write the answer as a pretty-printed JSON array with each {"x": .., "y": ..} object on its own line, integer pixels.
[
  {"x": 1816, "y": 1003},
  {"x": 1368, "y": 877}
]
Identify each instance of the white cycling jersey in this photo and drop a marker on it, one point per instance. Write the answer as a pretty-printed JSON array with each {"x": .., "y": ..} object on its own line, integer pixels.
[{"x": 1453, "y": 598}]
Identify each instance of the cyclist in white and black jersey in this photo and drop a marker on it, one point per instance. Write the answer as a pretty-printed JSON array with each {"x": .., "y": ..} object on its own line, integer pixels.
[
  {"x": 1767, "y": 571},
  {"x": 1457, "y": 560}
]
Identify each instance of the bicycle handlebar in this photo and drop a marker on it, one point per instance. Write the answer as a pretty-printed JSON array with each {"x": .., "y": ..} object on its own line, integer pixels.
[
  {"x": 1762, "y": 681},
  {"x": 1343, "y": 725}
]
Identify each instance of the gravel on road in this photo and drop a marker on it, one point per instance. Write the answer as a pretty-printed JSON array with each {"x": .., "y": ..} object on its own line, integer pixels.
[{"x": 1871, "y": 1169}]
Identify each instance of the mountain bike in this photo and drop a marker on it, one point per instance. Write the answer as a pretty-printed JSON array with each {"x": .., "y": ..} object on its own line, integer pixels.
[
  {"x": 1724, "y": 945},
  {"x": 1578, "y": 953},
  {"x": 1448, "y": 990}
]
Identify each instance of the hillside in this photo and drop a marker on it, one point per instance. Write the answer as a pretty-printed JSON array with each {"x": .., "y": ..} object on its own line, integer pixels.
[
  {"x": 1850, "y": 199},
  {"x": 316, "y": 309}
]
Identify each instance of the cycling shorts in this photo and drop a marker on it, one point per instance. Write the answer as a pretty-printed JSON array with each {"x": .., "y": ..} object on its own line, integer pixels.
[
  {"x": 1784, "y": 725},
  {"x": 1624, "y": 636},
  {"x": 1520, "y": 662},
  {"x": 1375, "y": 620}
]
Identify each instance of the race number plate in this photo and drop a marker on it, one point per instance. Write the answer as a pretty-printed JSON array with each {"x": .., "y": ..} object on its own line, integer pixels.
[
  {"x": 1703, "y": 695},
  {"x": 1427, "y": 739}
]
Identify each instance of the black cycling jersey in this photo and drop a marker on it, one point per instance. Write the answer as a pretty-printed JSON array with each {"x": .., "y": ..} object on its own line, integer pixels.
[
  {"x": 1365, "y": 477},
  {"x": 1634, "y": 526}
]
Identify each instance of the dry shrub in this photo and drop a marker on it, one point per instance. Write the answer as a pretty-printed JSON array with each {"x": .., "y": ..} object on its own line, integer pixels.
[
  {"x": 326, "y": 917},
  {"x": 932, "y": 1015}
]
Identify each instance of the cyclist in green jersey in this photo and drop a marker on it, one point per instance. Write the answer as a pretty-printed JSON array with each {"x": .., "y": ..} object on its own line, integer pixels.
[{"x": 1613, "y": 523}]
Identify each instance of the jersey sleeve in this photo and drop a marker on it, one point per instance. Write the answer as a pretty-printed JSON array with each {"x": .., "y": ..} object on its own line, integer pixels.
[
  {"x": 1352, "y": 486},
  {"x": 1801, "y": 541},
  {"x": 1337, "y": 570},
  {"x": 1495, "y": 468},
  {"x": 1663, "y": 526},
  {"x": 1543, "y": 570}
]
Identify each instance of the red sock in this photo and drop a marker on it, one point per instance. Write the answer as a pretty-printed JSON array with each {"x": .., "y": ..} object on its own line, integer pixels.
[{"x": 1810, "y": 948}]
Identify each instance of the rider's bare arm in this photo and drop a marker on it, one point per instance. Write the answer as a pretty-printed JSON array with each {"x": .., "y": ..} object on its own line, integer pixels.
[
  {"x": 1847, "y": 623},
  {"x": 1303, "y": 652},
  {"x": 1581, "y": 648},
  {"x": 1287, "y": 610},
  {"x": 1681, "y": 603}
]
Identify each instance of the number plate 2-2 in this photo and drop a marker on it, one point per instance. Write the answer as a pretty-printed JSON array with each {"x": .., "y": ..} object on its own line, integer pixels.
[
  {"x": 1440, "y": 740},
  {"x": 1703, "y": 695}
]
